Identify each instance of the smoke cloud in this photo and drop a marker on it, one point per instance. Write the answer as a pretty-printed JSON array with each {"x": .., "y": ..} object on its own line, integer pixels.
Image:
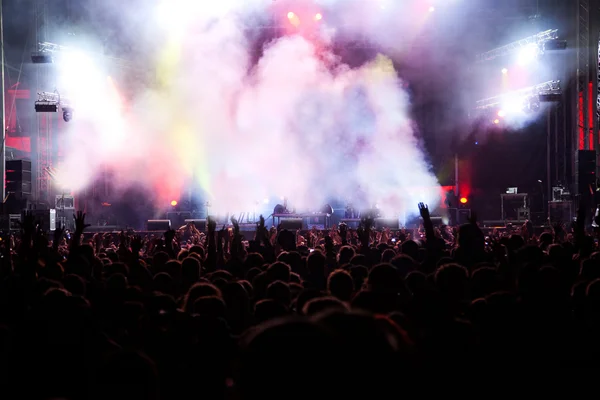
[{"x": 298, "y": 123}]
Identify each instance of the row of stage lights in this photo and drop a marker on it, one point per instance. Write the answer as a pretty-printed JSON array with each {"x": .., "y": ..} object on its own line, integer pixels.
[
  {"x": 295, "y": 19},
  {"x": 526, "y": 100},
  {"x": 50, "y": 102}
]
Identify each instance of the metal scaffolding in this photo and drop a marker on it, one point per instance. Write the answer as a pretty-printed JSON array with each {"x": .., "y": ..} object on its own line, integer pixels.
[
  {"x": 550, "y": 87},
  {"x": 583, "y": 73},
  {"x": 538, "y": 39},
  {"x": 42, "y": 139}
]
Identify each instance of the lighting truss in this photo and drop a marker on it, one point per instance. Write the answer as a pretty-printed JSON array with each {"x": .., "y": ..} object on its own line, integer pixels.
[
  {"x": 47, "y": 52},
  {"x": 546, "y": 89},
  {"x": 47, "y": 47},
  {"x": 538, "y": 39}
]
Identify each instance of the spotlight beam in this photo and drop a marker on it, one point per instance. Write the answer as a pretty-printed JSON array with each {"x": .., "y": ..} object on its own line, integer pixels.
[
  {"x": 546, "y": 88},
  {"x": 538, "y": 39}
]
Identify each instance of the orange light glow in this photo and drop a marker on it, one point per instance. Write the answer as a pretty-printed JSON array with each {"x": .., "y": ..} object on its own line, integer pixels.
[
  {"x": 463, "y": 200},
  {"x": 173, "y": 203},
  {"x": 496, "y": 121}
]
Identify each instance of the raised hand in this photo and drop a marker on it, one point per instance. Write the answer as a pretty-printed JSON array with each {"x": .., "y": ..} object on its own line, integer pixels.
[
  {"x": 473, "y": 218},
  {"x": 28, "y": 224},
  {"x": 58, "y": 234},
  {"x": 221, "y": 234},
  {"x": 211, "y": 225},
  {"x": 236, "y": 225},
  {"x": 80, "y": 224},
  {"x": 169, "y": 236},
  {"x": 137, "y": 244},
  {"x": 424, "y": 211}
]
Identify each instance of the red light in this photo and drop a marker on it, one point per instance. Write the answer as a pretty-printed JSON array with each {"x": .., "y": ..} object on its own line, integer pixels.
[
  {"x": 463, "y": 200},
  {"x": 174, "y": 203}
]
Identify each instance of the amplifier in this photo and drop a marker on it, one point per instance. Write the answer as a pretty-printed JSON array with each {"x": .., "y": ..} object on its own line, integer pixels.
[
  {"x": 155, "y": 225},
  {"x": 291, "y": 224},
  {"x": 14, "y": 222}
]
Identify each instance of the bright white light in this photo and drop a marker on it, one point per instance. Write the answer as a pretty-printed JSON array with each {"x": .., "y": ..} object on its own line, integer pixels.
[
  {"x": 528, "y": 54},
  {"x": 291, "y": 15},
  {"x": 318, "y": 17},
  {"x": 502, "y": 113},
  {"x": 513, "y": 105},
  {"x": 266, "y": 201},
  {"x": 431, "y": 9},
  {"x": 504, "y": 71}
]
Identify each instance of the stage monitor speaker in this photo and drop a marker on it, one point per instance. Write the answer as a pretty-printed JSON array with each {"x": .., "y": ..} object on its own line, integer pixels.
[
  {"x": 391, "y": 223},
  {"x": 291, "y": 224},
  {"x": 46, "y": 219},
  {"x": 156, "y": 225},
  {"x": 200, "y": 224}
]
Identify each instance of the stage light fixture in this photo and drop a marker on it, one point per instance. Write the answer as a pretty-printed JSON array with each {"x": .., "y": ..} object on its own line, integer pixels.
[
  {"x": 42, "y": 58},
  {"x": 502, "y": 113},
  {"x": 528, "y": 54},
  {"x": 47, "y": 102},
  {"x": 291, "y": 15},
  {"x": 464, "y": 200},
  {"x": 555, "y": 44},
  {"x": 67, "y": 114},
  {"x": 173, "y": 203},
  {"x": 46, "y": 106},
  {"x": 496, "y": 121},
  {"x": 550, "y": 97},
  {"x": 318, "y": 17},
  {"x": 504, "y": 71}
]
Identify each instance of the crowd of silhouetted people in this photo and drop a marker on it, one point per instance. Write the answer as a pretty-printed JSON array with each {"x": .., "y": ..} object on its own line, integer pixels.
[{"x": 341, "y": 313}]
